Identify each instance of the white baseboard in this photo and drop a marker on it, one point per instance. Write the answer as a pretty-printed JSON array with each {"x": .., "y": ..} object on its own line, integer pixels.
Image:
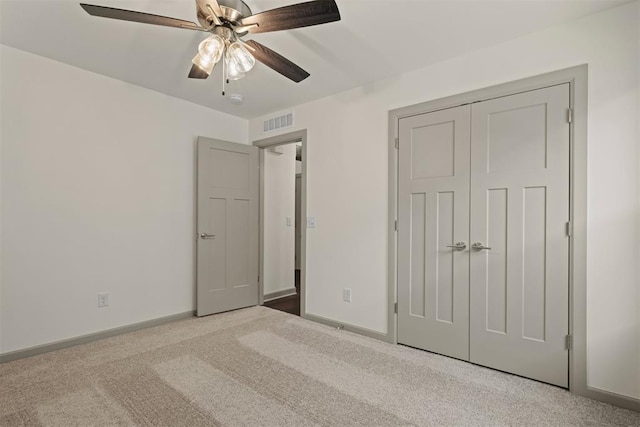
[{"x": 70, "y": 342}]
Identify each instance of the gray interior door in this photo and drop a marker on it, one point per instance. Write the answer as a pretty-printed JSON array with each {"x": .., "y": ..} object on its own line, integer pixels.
[
  {"x": 519, "y": 209},
  {"x": 227, "y": 269},
  {"x": 433, "y": 203}
]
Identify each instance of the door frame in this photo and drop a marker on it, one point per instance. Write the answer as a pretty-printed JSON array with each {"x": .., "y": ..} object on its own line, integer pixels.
[
  {"x": 577, "y": 79},
  {"x": 284, "y": 139}
]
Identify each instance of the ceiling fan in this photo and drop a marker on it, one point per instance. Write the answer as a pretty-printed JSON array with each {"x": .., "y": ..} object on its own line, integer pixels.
[{"x": 228, "y": 21}]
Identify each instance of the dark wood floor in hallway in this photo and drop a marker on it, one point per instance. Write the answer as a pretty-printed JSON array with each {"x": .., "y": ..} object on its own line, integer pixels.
[{"x": 289, "y": 304}]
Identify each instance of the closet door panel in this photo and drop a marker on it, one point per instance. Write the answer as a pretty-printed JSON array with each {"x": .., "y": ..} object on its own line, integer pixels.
[
  {"x": 433, "y": 215},
  {"x": 519, "y": 279}
]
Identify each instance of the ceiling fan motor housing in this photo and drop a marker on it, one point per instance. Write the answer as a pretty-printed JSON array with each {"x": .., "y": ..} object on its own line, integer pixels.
[{"x": 232, "y": 12}]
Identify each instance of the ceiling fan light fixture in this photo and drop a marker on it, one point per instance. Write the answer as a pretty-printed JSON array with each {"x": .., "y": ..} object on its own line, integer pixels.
[
  {"x": 228, "y": 20},
  {"x": 205, "y": 63},
  {"x": 212, "y": 47},
  {"x": 236, "y": 76},
  {"x": 233, "y": 71},
  {"x": 241, "y": 56}
]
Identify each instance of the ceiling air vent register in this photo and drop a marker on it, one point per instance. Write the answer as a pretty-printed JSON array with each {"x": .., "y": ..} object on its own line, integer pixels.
[{"x": 277, "y": 123}]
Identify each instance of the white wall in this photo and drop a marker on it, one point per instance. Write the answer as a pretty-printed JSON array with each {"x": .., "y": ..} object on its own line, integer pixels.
[
  {"x": 349, "y": 246},
  {"x": 638, "y": 124},
  {"x": 279, "y": 204},
  {"x": 1, "y": 234},
  {"x": 98, "y": 181}
]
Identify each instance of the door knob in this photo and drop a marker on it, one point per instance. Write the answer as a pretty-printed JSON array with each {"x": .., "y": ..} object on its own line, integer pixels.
[
  {"x": 460, "y": 246},
  {"x": 479, "y": 246},
  {"x": 207, "y": 236}
]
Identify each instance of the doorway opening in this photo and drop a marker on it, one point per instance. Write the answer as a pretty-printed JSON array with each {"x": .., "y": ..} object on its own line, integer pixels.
[{"x": 282, "y": 224}]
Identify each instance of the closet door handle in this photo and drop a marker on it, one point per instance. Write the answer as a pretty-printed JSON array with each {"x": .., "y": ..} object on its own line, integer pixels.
[
  {"x": 206, "y": 236},
  {"x": 460, "y": 246},
  {"x": 479, "y": 246}
]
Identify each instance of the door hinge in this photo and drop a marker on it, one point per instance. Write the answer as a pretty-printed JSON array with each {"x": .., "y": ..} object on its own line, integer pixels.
[
  {"x": 569, "y": 228},
  {"x": 568, "y": 342},
  {"x": 569, "y": 115},
  {"x": 397, "y": 143},
  {"x": 395, "y": 225},
  {"x": 395, "y": 307}
]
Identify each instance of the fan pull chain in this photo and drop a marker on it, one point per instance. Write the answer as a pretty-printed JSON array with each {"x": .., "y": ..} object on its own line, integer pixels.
[{"x": 224, "y": 73}]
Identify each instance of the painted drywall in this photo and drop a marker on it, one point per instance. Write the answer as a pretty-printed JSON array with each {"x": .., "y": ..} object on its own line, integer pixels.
[
  {"x": 349, "y": 247},
  {"x": 279, "y": 204},
  {"x": 638, "y": 124},
  {"x": 1, "y": 127},
  {"x": 98, "y": 195}
]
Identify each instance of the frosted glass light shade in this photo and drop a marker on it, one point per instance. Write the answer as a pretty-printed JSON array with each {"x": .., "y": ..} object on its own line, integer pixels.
[
  {"x": 205, "y": 63},
  {"x": 233, "y": 72},
  {"x": 212, "y": 47},
  {"x": 209, "y": 52},
  {"x": 241, "y": 56}
]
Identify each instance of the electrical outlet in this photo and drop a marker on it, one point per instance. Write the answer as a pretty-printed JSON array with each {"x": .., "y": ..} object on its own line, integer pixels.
[
  {"x": 288, "y": 221},
  {"x": 346, "y": 295},
  {"x": 103, "y": 299},
  {"x": 311, "y": 222}
]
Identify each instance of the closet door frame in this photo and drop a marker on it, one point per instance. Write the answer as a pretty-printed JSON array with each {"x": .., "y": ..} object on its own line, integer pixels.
[{"x": 577, "y": 79}]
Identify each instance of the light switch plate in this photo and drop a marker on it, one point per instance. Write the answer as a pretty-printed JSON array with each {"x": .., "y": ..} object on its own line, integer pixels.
[{"x": 311, "y": 222}]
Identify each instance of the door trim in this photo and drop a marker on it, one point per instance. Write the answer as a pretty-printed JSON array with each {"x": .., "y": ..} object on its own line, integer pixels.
[
  {"x": 287, "y": 138},
  {"x": 577, "y": 78}
]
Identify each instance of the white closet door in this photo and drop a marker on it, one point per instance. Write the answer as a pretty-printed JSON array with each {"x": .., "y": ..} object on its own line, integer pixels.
[
  {"x": 519, "y": 288},
  {"x": 433, "y": 203}
]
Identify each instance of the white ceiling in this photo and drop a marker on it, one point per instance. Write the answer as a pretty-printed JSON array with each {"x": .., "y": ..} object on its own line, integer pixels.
[{"x": 375, "y": 39}]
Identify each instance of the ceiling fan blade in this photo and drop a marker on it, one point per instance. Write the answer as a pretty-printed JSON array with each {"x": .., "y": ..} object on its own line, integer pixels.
[
  {"x": 277, "y": 62},
  {"x": 216, "y": 7},
  {"x": 145, "y": 18},
  {"x": 215, "y": 10},
  {"x": 294, "y": 16},
  {"x": 197, "y": 73},
  {"x": 244, "y": 28}
]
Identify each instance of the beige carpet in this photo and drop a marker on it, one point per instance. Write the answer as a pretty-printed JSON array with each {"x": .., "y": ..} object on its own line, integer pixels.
[{"x": 262, "y": 367}]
